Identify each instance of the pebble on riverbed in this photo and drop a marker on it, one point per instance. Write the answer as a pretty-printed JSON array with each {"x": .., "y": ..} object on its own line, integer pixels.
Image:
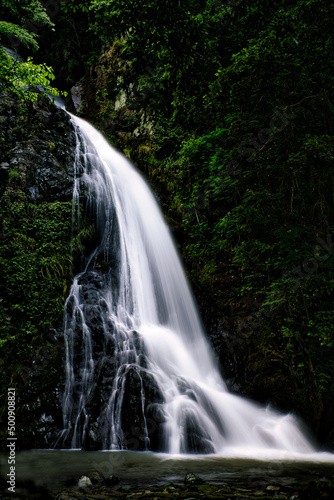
[
  {"x": 192, "y": 479},
  {"x": 96, "y": 477},
  {"x": 84, "y": 482},
  {"x": 273, "y": 489}
]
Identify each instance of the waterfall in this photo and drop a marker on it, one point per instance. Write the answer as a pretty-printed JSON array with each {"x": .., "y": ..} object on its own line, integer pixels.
[{"x": 139, "y": 372}]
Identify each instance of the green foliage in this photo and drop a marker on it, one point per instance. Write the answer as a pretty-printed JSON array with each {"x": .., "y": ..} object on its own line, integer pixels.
[
  {"x": 19, "y": 11},
  {"x": 35, "y": 259},
  {"x": 73, "y": 6},
  {"x": 16, "y": 76},
  {"x": 20, "y": 78},
  {"x": 10, "y": 29},
  {"x": 22, "y": 9},
  {"x": 36, "y": 268}
]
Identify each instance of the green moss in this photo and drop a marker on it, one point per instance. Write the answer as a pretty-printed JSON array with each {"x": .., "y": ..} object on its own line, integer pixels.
[
  {"x": 36, "y": 267},
  {"x": 35, "y": 264}
]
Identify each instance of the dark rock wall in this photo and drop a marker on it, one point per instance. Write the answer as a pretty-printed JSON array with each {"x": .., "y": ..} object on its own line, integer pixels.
[
  {"x": 37, "y": 149},
  {"x": 38, "y": 142}
]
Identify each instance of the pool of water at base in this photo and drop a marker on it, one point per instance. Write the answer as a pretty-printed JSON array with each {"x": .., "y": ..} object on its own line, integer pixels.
[{"x": 52, "y": 469}]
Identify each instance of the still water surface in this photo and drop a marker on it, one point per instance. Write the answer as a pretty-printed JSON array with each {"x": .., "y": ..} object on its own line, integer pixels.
[{"x": 53, "y": 468}]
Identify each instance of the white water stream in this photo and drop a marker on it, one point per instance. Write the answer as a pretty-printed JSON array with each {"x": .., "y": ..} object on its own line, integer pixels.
[{"x": 152, "y": 299}]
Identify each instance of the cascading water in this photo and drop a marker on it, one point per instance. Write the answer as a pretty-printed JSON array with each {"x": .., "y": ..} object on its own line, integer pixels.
[{"x": 139, "y": 373}]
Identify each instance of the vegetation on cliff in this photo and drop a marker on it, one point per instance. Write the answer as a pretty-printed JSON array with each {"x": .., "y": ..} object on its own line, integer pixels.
[{"x": 39, "y": 251}]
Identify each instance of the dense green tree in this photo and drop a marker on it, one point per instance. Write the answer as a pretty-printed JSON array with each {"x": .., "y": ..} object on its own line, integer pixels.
[{"x": 16, "y": 75}]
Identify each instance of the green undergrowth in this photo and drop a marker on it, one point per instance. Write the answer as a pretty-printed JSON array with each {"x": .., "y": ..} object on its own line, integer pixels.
[
  {"x": 36, "y": 268},
  {"x": 39, "y": 253}
]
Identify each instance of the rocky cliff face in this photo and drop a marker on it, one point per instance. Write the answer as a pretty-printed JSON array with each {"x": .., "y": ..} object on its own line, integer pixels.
[
  {"x": 37, "y": 148},
  {"x": 119, "y": 377},
  {"x": 37, "y": 142}
]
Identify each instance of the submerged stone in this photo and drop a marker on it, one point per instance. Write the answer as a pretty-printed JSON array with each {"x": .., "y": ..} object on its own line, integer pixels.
[
  {"x": 192, "y": 479},
  {"x": 112, "y": 480},
  {"x": 96, "y": 477},
  {"x": 272, "y": 489}
]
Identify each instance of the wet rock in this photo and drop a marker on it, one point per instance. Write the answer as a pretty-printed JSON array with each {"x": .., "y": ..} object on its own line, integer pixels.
[
  {"x": 69, "y": 495},
  {"x": 196, "y": 440},
  {"x": 84, "y": 482},
  {"x": 90, "y": 281},
  {"x": 318, "y": 490},
  {"x": 132, "y": 416},
  {"x": 141, "y": 428},
  {"x": 127, "y": 487},
  {"x": 111, "y": 480},
  {"x": 77, "y": 96},
  {"x": 94, "y": 320},
  {"x": 192, "y": 479},
  {"x": 96, "y": 477},
  {"x": 40, "y": 149},
  {"x": 118, "y": 371},
  {"x": 273, "y": 489}
]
